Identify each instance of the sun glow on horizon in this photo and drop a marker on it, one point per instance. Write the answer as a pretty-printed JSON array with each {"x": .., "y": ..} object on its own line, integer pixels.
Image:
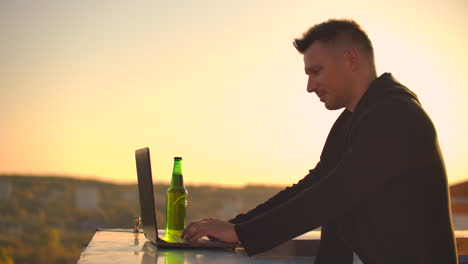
[{"x": 221, "y": 85}]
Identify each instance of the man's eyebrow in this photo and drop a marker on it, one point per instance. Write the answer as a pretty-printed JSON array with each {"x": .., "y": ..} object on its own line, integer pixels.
[{"x": 310, "y": 69}]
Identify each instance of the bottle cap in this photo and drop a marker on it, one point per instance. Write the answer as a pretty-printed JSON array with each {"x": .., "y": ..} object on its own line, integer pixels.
[{"x": 177, "y": 158}]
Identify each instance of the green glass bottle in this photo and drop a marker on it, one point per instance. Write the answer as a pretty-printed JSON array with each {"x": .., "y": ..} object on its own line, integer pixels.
[{"x": 176, "y": 202}]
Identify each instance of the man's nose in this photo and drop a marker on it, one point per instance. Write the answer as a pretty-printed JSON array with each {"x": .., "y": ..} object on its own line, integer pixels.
[{"x": 311, "y": 85}]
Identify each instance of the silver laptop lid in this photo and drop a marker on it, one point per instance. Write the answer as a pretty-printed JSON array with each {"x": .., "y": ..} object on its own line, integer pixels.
[{"x": 145, "y": 190}]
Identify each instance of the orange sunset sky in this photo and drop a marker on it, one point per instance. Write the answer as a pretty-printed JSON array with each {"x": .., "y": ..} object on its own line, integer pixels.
[{"x": 85, "y": 83}]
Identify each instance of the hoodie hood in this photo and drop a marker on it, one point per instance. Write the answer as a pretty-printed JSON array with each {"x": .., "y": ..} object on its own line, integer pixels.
[{"x": 384, "y": 86}]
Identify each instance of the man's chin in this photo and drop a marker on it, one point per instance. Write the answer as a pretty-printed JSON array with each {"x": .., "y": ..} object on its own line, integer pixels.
[{"x": 332, "y": 106}]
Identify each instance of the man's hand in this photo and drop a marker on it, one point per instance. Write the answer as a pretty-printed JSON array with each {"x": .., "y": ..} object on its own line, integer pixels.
[{"x": 212, "y": 228}]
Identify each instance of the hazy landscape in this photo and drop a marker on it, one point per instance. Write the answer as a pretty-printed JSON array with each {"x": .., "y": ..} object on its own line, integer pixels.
[{"x": 50, "y": 219}]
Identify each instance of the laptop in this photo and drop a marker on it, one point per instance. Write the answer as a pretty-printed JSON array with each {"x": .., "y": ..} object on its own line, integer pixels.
[{"x": 148, "y": 210}]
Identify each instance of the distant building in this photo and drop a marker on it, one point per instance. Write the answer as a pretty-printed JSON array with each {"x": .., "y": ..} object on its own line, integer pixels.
[
  {"x": 231, "y": 207},
  {"x": 15, "y": 230},
  {"x": 160, "y": 199},
  {"x": 86, "y": 198},
  {"x": 5, "y": 190},
  {"x": 130, "y": 196},
  {"x": 459, "y": 199},
  {"x": 54, "y": 195}
]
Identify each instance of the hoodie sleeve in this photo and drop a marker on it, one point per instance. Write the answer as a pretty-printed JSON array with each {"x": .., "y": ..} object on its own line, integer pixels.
[{"x": 279, "y": 198}]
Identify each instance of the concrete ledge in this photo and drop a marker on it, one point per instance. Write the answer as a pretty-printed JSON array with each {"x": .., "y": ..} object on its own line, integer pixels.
[{"x": 308, "y": 244}]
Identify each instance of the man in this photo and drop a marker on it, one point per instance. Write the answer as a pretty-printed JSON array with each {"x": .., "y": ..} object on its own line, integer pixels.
[{"x": 380, "y": 187}]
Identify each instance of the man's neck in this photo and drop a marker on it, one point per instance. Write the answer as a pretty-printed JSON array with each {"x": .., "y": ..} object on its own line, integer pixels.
[{"x": 362, "y": 84}]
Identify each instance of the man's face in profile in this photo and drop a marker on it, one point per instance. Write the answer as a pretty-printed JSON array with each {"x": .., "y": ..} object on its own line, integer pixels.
[{"x": 328, "y": 74}]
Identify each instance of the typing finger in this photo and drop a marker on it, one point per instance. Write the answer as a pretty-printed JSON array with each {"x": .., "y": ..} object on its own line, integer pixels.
[
  {"x": 189, "y": 229},
  {"x": 196, "y": 233}
]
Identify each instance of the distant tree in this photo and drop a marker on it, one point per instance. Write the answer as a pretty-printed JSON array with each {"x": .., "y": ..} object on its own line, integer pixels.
[
  {"x": 5, "y": 257},
  {"x": 49, "y": 249}
]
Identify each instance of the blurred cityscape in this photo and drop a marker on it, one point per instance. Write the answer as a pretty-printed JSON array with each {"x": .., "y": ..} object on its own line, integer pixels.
[{"x": 50, "y": 219}]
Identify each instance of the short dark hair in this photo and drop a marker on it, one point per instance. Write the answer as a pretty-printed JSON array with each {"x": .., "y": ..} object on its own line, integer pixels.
[{"x": 334, "y": 30}]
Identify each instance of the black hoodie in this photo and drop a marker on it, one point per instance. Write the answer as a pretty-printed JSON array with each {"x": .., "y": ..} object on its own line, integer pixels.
[{"x": 379, "y": 190}]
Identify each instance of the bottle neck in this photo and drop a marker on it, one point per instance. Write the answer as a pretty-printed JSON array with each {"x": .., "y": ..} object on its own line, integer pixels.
[{"x": 177, "y": 178}]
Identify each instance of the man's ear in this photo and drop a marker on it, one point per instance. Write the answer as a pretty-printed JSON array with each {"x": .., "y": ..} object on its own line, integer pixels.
[{"x": 353, "y": 59}]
